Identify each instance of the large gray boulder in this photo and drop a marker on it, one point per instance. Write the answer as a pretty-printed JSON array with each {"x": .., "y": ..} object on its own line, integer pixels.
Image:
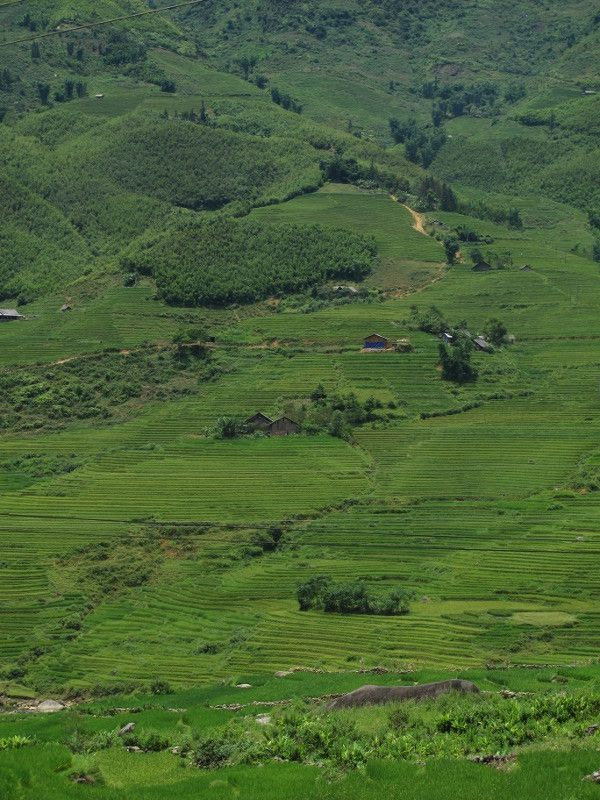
[
  {"x": 49, "y": 706},
  {"x": 377, "y": 695}
]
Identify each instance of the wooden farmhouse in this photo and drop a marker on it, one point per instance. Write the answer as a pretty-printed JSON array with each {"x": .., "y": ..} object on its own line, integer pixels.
[
  {"x": 10, "y": 315},
  {"x": 482, "y": 266},
  {"x": 376, "y": 342},
  {"x": 258, "y": 422},
  {"x": 283, "y": 427}
]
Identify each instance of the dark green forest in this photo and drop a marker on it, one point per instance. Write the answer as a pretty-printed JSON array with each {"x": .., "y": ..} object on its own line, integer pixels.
[{"x": 204, "y": 261}]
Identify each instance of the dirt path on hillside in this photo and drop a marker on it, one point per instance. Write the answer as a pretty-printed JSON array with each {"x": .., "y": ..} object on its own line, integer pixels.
[{"x": 418, "y": 219}]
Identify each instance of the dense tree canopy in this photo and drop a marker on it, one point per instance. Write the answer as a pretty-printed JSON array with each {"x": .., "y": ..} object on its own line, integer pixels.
[{"x": 217, "y": 260}]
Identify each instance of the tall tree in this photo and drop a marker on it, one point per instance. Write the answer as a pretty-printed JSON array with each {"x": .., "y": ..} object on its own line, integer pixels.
[
  {"x": 246, "y": 64},
  {"x": 451, "y": 248},
  {"x": 43, "y": 92}
]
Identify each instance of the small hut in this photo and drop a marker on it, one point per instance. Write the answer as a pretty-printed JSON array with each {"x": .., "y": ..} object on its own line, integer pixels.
[
  {"x": 481, "y": 343},
  {"x": 10, "y": 315},
  {"x": 284, "y": 426},
  {"x": 348, "y": 291},
  {"x": 258, "y": 422},
  {"x": 482, "y": 266},
  {"x": 66, "y": 307},
  {"x": 376, "y": 342}
]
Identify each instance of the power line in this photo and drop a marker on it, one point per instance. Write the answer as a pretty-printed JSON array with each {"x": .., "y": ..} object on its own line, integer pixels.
[{"x": 91, "y": 25}]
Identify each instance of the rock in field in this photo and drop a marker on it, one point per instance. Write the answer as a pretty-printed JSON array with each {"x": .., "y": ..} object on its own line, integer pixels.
[
  {"x": 594, "y": 777},
  {"x": 377, "y": 695},
  {"x": 49, "y": 706}
]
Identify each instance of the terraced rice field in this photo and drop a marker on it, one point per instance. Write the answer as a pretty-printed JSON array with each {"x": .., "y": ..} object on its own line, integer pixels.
[
  {"x": 470, "y": 496},
  {"x": 193, "y": 482},
  {"x": 120, "y": 319}
]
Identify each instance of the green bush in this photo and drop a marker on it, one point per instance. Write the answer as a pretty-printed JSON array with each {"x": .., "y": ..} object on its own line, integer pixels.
[
  {"x": 455, "y": 361},
  {"x": 86, "y": 742},
  {"x": 230, "y": 428},
  {"x": 149, "y": 741},
  {"x": 14, "y": 742},
  {"x": 495, "y": 331}
]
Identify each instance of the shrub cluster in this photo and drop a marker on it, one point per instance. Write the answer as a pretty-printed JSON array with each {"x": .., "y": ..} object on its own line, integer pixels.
[
  {"x": 464, "y": 233},
  {"x": 455, "y": 360},
  {"x": 354, "y": 597},
  {"x": 429, "y": 320},
  {"x": 433, "y": 195},
  {"x": 481, "y": 210},
  {"x": 285, "y": 101},
  {"x": 336, "y": 414},
  {"x": 150, "y": 741},
  {"x": 108, "y": 568},
  {"x": 340, "y": 168},
  {"x": 421, "y": 142},
  {"x": 457, "y": 100},
  {"x": 94, "y": 387},
  {"x": 42, "y": 465},
  {"x": 14, "y": 742}
]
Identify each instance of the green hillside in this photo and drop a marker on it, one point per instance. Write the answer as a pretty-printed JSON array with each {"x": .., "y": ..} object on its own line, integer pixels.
[{"x": 211, "y": 211}]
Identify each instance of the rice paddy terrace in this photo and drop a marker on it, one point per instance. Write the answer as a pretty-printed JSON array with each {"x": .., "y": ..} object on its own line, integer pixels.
[
  {"x": 313, "y": 211},
  {"x": 477, "y": 497}
]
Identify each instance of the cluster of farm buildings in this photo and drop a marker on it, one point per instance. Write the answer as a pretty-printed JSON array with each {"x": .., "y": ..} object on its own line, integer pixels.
[
  {"x": 284, "y": 426},
  {"x": 479, "y": 342}
]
